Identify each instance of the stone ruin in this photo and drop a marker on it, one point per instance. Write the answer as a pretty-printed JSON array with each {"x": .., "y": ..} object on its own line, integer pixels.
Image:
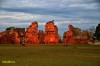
[
  {"x": 69, "y": 35},
  {"x": 77, "y": 36},
  {"x": 13, "y": 36},
  {"x": 49, "y": 36},
  {"x": 51, "y": 33},
  {"x": 41, "y": 36},
  {"x": 32, "y": 36}
]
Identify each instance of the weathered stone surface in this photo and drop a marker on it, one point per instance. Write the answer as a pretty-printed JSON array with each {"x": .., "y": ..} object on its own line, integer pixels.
[
  {"x": 84, "y": 37},
  {"x": 69, "y": 35},
  {"x": 20, "y": 35},
  {"x": 77, "y": 36},
  {"x": 41, "y": 36},
  {"x": 49, "y": 36},
  {"x": 12, "y": 36},
  {"x": 32, "y": 34},
  {"x": 51, "y": 33}
]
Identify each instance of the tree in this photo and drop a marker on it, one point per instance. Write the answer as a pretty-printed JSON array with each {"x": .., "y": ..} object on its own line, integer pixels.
[
  {"x": 9, "y": 28},
  {"x": 97, "y": 32}
]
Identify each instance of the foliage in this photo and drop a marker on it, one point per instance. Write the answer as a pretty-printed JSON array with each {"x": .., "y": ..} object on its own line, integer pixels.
[
  {"x": 10, "y": 28},
  {"x": 97, "y": 32}
]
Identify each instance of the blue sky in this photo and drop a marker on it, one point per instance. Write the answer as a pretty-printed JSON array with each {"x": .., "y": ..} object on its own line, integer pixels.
[{"x": 20, "y": 13}]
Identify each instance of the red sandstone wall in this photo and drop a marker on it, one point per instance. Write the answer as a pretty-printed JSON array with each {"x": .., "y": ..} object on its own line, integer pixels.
[
  {"x": 10, "y": 37},
  {"x": 32, "y": 34},
  {"x": 51, "y": 33},
  {"x": 41, "y": 36},
  {"x": 76, "y": 36}
]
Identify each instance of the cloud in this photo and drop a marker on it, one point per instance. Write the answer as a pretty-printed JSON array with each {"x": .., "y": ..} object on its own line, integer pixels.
[
  {"x": 15, "y": 15},
  {"x": 22, "y": 18},
  {"x": 86, "y": 5},
  {"x": 6, "y": 23},
  {"x": 47, "y": 3},
  {"x": 26, "y": 16},
  {"x": 21, "y": 13},
  {"x": 24, "y": 3}
]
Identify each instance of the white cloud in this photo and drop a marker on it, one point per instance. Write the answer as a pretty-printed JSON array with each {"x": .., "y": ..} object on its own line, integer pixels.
[
  {"x": 85, "y": 5},
  {"x": 42, "y": 23},
  {"x": 42, "y": 19},
  {"x": 23, "y": 3},
  {"x": 16, "y": 15},
  {"x": 7, "y": 23},
  {"x": 66, "y": 11},
  {"x": 47, "y": 3},
  {"x": 21, "y": 16},
  {"x": 26, "y": 16}
]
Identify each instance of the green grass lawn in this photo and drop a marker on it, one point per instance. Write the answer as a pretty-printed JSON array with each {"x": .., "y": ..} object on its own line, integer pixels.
[{"x": 50, "y": 55}]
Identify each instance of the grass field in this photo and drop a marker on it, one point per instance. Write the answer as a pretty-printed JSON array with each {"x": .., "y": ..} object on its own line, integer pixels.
[{"x": 50, "y": 55}]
